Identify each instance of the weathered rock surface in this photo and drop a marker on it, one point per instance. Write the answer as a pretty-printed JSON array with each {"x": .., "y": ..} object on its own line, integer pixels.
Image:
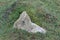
[{"x": 24, "y": 23}]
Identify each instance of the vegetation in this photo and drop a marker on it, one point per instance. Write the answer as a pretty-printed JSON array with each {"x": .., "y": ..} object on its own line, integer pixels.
[{"x": 45, "y": 13}]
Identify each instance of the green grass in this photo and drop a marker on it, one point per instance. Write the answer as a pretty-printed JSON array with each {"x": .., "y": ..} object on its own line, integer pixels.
[{"x": 45, "y": 13}]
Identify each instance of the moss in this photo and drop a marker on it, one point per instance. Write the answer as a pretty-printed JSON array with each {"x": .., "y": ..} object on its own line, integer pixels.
[{"x": 37, "y": 10}]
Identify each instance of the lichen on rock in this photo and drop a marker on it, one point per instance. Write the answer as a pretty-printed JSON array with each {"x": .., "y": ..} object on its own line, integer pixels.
[{"x": 24, "y": 23}]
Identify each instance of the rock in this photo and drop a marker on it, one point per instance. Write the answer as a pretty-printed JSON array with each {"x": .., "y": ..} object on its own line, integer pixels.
[{"x": 24, "y": 23}]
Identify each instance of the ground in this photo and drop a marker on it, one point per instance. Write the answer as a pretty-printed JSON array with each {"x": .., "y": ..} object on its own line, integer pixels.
[{"x": 45, "y": 13}]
